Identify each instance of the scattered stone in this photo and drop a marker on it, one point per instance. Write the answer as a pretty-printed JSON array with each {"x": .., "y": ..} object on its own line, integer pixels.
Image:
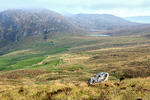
[
  {"x": 139, "y": 99},
  {"x": 106, "y": 85},
  {"x": 21, "y": 90},
  {"x": 123, "y": 88},
  {"x": 117, "y": 84},
  {"x": 99, "y": 78},
  {"x": 145, "y": 90},
  {"x": 122, "y": 78},
  {"x": 133, "y": 85}
]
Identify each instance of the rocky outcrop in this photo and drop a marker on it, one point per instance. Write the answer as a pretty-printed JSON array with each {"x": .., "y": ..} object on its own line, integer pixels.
[{"x": 99, "y": 78}]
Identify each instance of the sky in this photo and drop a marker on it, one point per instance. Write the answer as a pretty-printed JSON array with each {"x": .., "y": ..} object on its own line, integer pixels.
[{"x": 122, "y": 8}]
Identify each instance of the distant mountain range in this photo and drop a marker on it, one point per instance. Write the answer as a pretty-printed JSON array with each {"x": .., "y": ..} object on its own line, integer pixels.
[
  {"x": 17, "y": 24},
  {"x": 99, "y": 21},
  {"x": 139, "y": 19}
]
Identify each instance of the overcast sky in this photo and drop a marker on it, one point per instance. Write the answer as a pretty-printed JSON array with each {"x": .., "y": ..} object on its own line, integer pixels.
[{"x": 121, "y": 8}]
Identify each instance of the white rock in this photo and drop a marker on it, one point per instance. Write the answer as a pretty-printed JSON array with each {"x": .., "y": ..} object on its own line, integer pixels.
[{"x": 99, "y": 78}]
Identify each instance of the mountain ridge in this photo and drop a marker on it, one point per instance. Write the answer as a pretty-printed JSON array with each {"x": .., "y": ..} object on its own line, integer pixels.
[{"x": 98, "y": 21}]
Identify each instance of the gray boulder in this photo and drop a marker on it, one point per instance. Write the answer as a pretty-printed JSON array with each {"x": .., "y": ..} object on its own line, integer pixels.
[{"x": 99, "y": 78}]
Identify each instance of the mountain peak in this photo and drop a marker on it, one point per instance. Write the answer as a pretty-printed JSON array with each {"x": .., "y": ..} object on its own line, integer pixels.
[{"x": 18, "y": 23}]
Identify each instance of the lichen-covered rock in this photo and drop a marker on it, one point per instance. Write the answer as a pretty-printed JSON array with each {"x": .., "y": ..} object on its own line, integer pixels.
[{"x": 99, "y": 78}]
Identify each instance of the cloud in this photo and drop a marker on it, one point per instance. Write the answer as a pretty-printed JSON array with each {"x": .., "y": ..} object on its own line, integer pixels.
[
  {"x": 93, "y": 4},
  {"x": 119, "y": 7}
]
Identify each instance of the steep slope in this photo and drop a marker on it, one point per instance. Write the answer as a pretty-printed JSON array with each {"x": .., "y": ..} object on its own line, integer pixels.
[
  {"x": 139, "y": 19},
  {"x": 99, "y": 21},
  {"x": 15, "y": 24}
]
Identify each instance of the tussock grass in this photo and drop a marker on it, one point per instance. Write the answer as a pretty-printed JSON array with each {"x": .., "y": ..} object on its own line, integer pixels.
[{"x": 112, "y": 90}]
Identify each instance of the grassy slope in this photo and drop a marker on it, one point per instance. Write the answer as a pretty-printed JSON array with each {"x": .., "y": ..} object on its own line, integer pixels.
[{"x": 69, "y": 64}]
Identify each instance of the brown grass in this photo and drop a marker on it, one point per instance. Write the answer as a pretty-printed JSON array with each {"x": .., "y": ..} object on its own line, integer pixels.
[
  {"x": 19, "y": 74},
  {"x": 127, "y": 90}
]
